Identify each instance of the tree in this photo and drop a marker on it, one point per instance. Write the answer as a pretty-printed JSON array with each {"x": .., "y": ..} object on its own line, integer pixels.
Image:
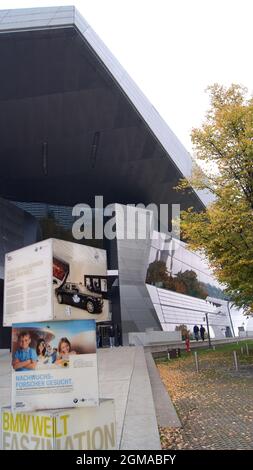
[
  {"x": 183, "y": 282},
  {"x": 223, "y": 232},
  {"x": 157, "y": 273},
  {"x": 184, "y": 331},
  {"x": 192, "y": 286},
  {"x": 177, "y": 285}
]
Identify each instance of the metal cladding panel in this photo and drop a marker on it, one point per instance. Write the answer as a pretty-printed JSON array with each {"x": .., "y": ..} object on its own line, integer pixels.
[
  {"x": 137, "y": 310},
  {"x": 176, "y": 309},
  {"x": 30, "y": 18},
  {"x": 171, "y": 298}
]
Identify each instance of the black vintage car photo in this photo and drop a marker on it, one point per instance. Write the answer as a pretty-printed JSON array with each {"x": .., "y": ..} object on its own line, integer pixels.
[{"x": 80, "y": 297}]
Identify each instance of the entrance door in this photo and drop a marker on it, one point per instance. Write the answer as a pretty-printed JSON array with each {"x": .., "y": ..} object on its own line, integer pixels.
[{"x": 104, "y": 336}]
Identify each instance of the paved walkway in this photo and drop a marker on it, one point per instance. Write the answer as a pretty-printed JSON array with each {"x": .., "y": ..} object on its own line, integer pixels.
[{"x": 215, "y": 407}]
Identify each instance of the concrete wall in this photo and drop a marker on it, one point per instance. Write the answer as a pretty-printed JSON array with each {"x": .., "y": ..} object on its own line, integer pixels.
[{"x": 154, "y": 337}]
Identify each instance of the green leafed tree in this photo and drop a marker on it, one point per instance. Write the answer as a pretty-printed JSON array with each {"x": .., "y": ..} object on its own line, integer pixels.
[{"x": 223, "y": 232}]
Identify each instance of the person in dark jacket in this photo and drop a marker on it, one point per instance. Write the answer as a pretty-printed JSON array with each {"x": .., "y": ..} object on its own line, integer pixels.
[
  {"x": 98, "y": 337},
  {"x": 111, "y": 336},
  {"x": 202, "y": 332},
  {"x": 196, "y": 332}
]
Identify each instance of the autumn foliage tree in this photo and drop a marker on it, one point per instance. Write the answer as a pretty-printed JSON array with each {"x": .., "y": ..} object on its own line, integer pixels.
[
  {"x": 184, "y": 330},
  {"x": 224, "y": 230},
  {"x": 183, "y": 282},
  {"x": 157, "y": 273}
]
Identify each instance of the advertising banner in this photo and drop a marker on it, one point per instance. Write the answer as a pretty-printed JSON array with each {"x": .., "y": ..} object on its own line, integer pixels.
[
  {"x": 55, "y": 279},
  {"x": 54, "y": 364},
  {"x": 91, "y": 428}
]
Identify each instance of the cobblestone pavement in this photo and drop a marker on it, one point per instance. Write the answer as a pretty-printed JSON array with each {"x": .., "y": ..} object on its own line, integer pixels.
[{"x": 215, "y": 406}]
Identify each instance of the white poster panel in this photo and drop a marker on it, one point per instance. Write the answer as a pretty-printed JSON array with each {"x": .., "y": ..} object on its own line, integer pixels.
[
  {"x": 91, "y": 428},
  {"x": 54, "y": 364},
  {"x": 27, "y": 284},
  {"x": 55, "y": 279}
]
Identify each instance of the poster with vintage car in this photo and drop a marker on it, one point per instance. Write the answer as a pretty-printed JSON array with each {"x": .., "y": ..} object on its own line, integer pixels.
[
  {"x": 54, "y": 364},
  {"x": 55, "y": 279}
]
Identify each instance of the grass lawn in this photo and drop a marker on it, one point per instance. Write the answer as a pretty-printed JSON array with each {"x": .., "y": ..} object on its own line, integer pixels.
[{"x": 223, "y": 351}]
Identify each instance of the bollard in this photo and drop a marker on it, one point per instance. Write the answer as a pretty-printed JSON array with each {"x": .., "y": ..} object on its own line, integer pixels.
[
  {"x": 247, "y": 349},
  {"x": 168, "y": 356},
  {"x": 196, "y": 361},
  {"x": 214, "y": 348},
  {"x": 242, "y": 350},
  {"x": 235, "y": 360}
]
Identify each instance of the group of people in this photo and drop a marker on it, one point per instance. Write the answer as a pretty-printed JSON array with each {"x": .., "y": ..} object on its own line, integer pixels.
[
  {"x": 27, "y": 358},
  {"x": 58, "y": 356},
  {"x": 111, "y": 336},
  {"x": 199, "y": 331}
]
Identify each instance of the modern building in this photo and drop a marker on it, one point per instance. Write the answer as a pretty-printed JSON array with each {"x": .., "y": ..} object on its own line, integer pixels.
[{"x": 74, "y": 125}]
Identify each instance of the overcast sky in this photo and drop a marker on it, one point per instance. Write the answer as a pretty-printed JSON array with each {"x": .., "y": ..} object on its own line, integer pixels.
[{"x": 173, "y": 49}]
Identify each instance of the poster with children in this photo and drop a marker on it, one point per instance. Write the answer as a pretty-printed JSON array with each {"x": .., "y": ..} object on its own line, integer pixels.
[{"x": 54, "y": 364}]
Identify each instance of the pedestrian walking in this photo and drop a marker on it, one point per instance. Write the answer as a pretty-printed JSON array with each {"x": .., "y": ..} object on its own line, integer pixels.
[
  {"x": 111, "y": 336},
  {"x": 196, "y": 332},
  {"x": 202, "y": 332},
  {"x": 98, "y": 336}
]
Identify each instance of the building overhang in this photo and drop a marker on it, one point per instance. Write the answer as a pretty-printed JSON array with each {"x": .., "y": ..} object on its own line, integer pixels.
[{"x": 73, "y": 124}]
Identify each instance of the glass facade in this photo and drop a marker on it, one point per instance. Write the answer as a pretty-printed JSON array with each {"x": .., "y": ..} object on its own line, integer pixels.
[
  {"x": 56, "y": 222},
  {"x": 179, "y": 282},
  {"x": 178, "y": 259}
]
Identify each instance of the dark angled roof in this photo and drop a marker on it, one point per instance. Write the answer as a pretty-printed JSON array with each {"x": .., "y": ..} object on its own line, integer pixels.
[{"x": 72, "y": 122}]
